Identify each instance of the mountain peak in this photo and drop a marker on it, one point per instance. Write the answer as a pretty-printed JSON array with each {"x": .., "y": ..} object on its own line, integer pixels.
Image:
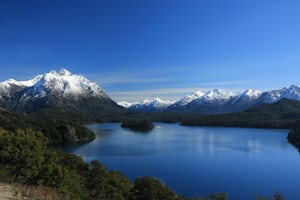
[
  {"x": 218, "y": 94},
  {"x": 147, "y": 105},
  {"x": 189, "y": 98},
  {"x": 11, "y": 81},
  {"x": 251, "y": 93},
  {"x": 294, "y": 86},
  {"x": 61, "y": 72},
  {"x": 124, "y": 104},
  {"x": 64, "y": 72},
  {"x": 63, "y": 84},
  {"x": 53, "y": 72},
  {"x": 198, "y": 93}
]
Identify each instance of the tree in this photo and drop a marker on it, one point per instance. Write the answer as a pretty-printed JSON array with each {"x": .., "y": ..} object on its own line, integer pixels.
[
  {"x": 147, "y": 188},
  {"x": 278, "y": 196},
  {"x": 218, "y": 196}
]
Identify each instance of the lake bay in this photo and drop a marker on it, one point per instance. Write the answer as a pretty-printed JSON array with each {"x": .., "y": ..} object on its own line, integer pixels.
[{"x": 196, "y": 161}]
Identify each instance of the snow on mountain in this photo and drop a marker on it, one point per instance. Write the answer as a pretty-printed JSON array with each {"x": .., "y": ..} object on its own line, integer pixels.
[
  {"x": 218, "y": 94},
  {"x": 247, "y": 96},
  {"x": 124, "y": 104},
  {"x": 156, "y": 104},
  {"x": 57, "y": 86},
  {"x": 292, "y": 92},
  {"x": 12, "y": 82},
  {"x": 31, "y": 82},
  {"x": 65, "y": 84},
  {"x": 250, "y": 93},
  {"x": 6, "y": 87},
  {"x": 189, "y": 98},
  {"x": 61, "y": 90},
  {"x": 10, "y": 86},
  {"x": 214, "y": 96}
]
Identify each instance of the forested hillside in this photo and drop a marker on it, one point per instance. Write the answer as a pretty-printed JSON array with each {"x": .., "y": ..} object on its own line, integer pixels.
[
  {"x": 283, "y": 114},
  {"x": 57, "y": 131}
]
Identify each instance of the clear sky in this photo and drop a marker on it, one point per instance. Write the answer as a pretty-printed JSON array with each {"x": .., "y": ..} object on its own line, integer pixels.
[{"x": 138, "y": 49}]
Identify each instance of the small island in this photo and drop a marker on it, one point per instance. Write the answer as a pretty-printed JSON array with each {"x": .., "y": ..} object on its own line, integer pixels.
[
  {"x": 140, "y": 125},
  {"x": 294, "y": 137}
]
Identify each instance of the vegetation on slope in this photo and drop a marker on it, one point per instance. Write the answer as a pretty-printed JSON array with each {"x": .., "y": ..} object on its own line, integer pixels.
[
  {"x": 283, "y": 114},
  {"x": 25, "y": 158},
  {"x": 57, "y": 131}
]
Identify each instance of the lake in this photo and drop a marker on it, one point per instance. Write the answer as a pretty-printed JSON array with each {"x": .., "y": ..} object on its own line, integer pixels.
[{"x": 196, "y": 161}]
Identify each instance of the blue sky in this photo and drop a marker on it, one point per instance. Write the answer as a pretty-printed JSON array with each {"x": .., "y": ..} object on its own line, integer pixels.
[{"x": 138, "y": 49}]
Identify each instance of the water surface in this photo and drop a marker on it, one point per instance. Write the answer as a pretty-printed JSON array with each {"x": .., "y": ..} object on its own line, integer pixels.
[{"x": 244, "y": 163}]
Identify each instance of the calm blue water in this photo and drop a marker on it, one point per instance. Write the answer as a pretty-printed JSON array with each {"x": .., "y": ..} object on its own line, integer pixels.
[{"x": 244, "y": 163}]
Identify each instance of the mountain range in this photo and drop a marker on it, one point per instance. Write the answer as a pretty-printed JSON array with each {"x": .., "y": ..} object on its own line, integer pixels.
[
  {"x": 75, "y": 95},
  {"x": 215, "y": 101},
  {"x": 60, "y": 91}
]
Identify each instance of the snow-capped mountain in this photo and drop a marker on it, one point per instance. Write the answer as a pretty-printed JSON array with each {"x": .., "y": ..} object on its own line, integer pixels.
[
  {"x": 188, "y": 99},
  {"x": 213, "y": 101},
  {"x": 11, "y": 86},
  {"x": 124, "y": 104},
  {"x": 222, "y": 101},
  {"x": 62, "y": 90},
  {"x": 215, "y": 95},
  {"x": 200, "y": 101},
  {"x": 244, "y": 100},
  {"x": 246, "y": 96},
  {"x": 64, "y": 84},
  {"x": 292, "y": 92},
  {"x": 154, "y": 105},
  {"x": 70, "y": 92},
  {"x": 250, "y": 93}
]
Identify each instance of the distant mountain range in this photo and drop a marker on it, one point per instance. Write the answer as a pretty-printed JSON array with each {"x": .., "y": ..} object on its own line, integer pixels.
[
  {"x": 61, "y": 91},
  {"x": 215, "y": 101}
]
